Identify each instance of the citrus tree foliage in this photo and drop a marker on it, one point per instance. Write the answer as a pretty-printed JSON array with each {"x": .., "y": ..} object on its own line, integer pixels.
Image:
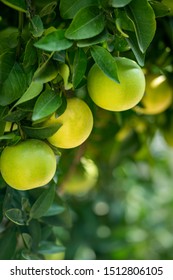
[{"x": 47, "y": 49}]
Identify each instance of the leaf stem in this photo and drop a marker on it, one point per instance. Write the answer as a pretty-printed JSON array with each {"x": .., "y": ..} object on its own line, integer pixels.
[{"x": 20, "y": 29}]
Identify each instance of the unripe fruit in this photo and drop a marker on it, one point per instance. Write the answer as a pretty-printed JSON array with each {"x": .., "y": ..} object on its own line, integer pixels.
[
  {"x": 77, "y": 123},
  {"x": 28, "y": 164},
  {"x": 112, "y": 96},
  {"x": 157, "y": 97}
]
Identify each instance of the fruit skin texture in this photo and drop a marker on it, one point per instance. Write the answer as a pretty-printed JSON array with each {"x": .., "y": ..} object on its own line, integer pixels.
[
  {"x": 158, "y": 95},
  {"x": 28, "y": 164},
  {"x": 77, "y": 123},
  {"x": 112, "y": 96}
]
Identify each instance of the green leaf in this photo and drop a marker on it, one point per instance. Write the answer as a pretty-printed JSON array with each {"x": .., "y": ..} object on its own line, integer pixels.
[
  {"x": 102, "y": 37},
  {"x": 35, "y": 231},
  {"x": 43, "y": 203},
  {"x": 27, "y": 239},
  {"x": 64, "y": 71},
  {"x": 46, "y": 73},
  {"x": 79, "y": 67},
  {"x": 48, "y": 9},
  {"x": 7, "y": 60},
  {"x": 32, "y": 91},
  {"x": 132, "y": 41},
  {"x": 87, "y": 23},
  {"x": 37, "y": 27},
  {"x": 30, "y": 54},
  {"x": 8, "y": 242},
  {"x": 2, "y": 127},
  {"x": 9, "y": 39},
  {"x": 54, "y": 209},
  {"x": 1, "y": 208},
  {"x": 119, "y": 3},
  {"x": 159, "y": 8},
  {"x": 14, "y": 86},
  {"x": 47, "y": 247},
  {"x": 54, "y": 41},
  {"x": 143, "y": 17},
  {"x": 105, "y": 61},
  {"x": 15, "y": 116},
  {"x": 123, "y": 22},
  {"x": 19, "y": 5},
  {"x": 60, "y": 56},
  {"x": 69, "y": 8},
  {"x": 41, "y": 132},
  {"x": 63, "y": 219},
  {"x": 47, "y": 103},
  {"x": 16, "y": 216},
  {"x": 120, "y": 43}
]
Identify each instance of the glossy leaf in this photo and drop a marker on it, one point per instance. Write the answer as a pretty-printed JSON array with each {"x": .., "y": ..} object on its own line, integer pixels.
[
  {"x": 15, "y": 116},
  {"x": 79, "y": 67},
  {"x": 35, "y": 231},
  {"x": 132, "y": 41},
  {"x": 30, "y": 54},
  {"x": 87, "y": 23},
  {"x": 27, "y": 239},
  {"x": 160, "y": 9},
  {"x": 41, "y": 132},
  {"x": 102, "y": 37},
  {"x": 69, "y": 8},
  {"x": 14, "y": 85},
  {"x": 43, "y": 203},
  {"x": 15, "y": 215},
  {"x": 105, "y": 61},
  {"x": 8, "y": 241},
  {"x": 19, "y": 5},
  {"x": 47, "y": 247},
  {"x": 119, "y": 3},
  {"x": 54, "y": 209},
  {"x": 2, "y": 121},
  {"x": 37, "y": 27},
  {"x": 48, "y": 9},
  {"x": 7, "y": 60},
  {"x": 47, "y": 103},
  {"x": 54, "y": 41},
  {"x": 32, "y": 91},
  {"x": 124, "y": 23},
  {"x": 139, "y": 11},
  {"x": 46, "y": 73}
]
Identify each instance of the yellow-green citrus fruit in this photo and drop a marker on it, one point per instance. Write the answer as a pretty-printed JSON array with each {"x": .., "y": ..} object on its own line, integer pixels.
[
  {"x": 83, "y": 179},
  {"x": 167, "y": 132},
  {"x": 157, "y": 97},
  {"x": 28, "y": 164},
  {"x": 169, "y": 3},
  {"x": 114, "y": 96},
  {"x": 76, "y": 125},
  {"x": 55, "y": 256}
]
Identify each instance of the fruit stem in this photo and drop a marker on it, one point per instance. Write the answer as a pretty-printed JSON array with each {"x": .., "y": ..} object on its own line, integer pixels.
[{"x": 21, "y": 132}]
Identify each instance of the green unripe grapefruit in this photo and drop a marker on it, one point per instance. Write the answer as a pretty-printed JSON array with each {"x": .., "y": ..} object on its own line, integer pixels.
[
  {"x": 112, "y": 96},
  {"x": 28, "y": 164},
  {"x": 77, "y": 123}
]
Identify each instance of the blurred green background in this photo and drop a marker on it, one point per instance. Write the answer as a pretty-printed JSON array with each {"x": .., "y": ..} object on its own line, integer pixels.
[
  {"x": 117, "y": 186},
  {"x": 128, "y": 213}
]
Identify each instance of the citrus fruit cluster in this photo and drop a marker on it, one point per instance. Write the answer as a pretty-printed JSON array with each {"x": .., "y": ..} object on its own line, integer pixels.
[{"x": 32, "y": 163}]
